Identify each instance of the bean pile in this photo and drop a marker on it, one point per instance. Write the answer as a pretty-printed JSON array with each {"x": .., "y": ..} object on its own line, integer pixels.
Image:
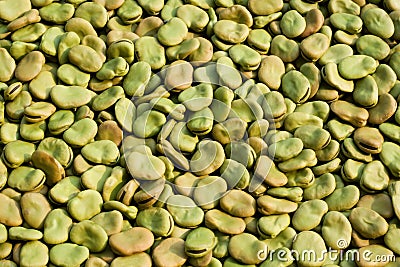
[{"x": 200, "y": 133}]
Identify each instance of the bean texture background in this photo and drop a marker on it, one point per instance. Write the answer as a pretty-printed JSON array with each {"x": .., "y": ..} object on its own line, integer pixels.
[{"x": 217, "y": 133}]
